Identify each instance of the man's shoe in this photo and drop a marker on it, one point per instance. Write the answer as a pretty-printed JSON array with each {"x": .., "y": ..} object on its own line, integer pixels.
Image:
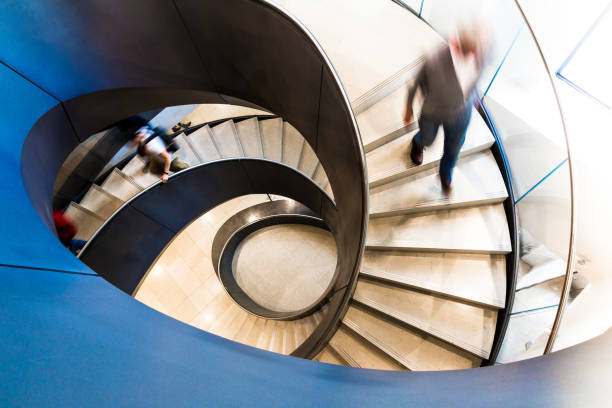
[
  {"x": 446, "y": 185},
  {"x": 416, "y": 154}
]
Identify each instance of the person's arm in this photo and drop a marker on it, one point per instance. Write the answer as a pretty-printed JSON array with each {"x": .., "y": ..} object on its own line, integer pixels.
[
  {"x": 418, "y": 83},
  {"x": 167, "y": 160}
]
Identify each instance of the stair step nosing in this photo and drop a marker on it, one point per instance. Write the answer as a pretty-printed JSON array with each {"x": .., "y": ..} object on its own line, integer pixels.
[
  {"x": 399, "y": 172},
  {"x": 387, "y": 277},
  {"x": 434, "y": 205},
  {"x": 412, "y": 247},
  {"x": 343, "y": 355},
  {"x": 424, "y": 327},
  {"x": 379, "y": 344}
]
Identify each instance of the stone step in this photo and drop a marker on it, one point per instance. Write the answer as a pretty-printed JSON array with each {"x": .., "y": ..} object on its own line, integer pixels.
[
  {"x": 185, "y": 151},
  {"x": 475, "y": 278},
  {"x": 383, "y": 122},
  {"x": 100, "y": 202},
  {"x": 86, "y": 221},
  {"x": 271, "y": 131},
  {"x": 248, "y": 132},
  {"x": 481, "y": 229},
  {"x": 293, "y": 143},
  {"x": 468, "y": 327},
  {"x": 476, "y": 181},
  {"x": 226, "y": 139},
  {"x": 357, "y": 352},
  {"x": 121, "y": 185},
  {"x": 413, "y": 350},
  {"x": 204, "y": 145},
  {"x": 308, "y": 160},
  {"x": 391, "y": 161},
  {"x": 328, "y": 356}
]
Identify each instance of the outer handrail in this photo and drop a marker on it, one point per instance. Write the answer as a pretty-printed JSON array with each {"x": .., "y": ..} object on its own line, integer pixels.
[{"x": 570, "y": 254}]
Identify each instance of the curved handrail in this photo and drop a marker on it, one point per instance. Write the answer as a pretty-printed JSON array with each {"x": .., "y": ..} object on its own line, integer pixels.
[
  {"x": 232, "y": 288},
  {"x": 570, "y": 254}
]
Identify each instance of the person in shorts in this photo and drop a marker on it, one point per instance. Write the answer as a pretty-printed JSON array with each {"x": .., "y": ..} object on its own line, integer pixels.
[{"x": 153, "y": 145}]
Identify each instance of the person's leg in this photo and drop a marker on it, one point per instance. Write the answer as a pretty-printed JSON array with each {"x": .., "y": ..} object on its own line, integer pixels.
[
  {"x": 454, "y": 137},
  {"x": 76, "y": 245},
  {"x": 178, "y": 165},
  {"x": 424, "y": 137}
]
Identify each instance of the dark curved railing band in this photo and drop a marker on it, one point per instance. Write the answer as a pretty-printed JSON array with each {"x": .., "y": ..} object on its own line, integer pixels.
[
  {"x": 255, "y": 213},
  {"x": 226, "y": 273},
  {"x": 128, "y": 243}
]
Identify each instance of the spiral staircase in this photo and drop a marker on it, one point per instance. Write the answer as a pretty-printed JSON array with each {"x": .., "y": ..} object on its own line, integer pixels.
[{"x": 423, "y": 281}]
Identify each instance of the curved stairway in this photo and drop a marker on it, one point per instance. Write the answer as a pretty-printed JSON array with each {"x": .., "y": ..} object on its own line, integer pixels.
[
  {"x": 182, "y": 283},
  {"x": 265, "y": 137},
  {"x": 433, "y": 275}
]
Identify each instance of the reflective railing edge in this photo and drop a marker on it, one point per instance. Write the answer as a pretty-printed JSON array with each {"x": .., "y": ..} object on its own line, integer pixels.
[
  {"x": 571, "y": 246},
  {"x": 572, "y": 239}
]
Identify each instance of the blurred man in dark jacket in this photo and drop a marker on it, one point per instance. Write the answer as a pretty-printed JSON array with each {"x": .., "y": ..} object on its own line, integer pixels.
[{"x": 447, "y": 81}]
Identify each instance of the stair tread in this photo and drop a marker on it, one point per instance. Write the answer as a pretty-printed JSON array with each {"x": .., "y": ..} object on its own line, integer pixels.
[
  {"x": 137, "y": 170},
  {"x": 413, "y": 350},
  {"x": 469, "y": 327},
  {"x": 328, "y": 356},
  {"x": 133, "y": 165},
  {"x": 308, "y": 160},
  {"x": 271, "y": 131},
  {"x": 360, "y": 353},
  {"x": 185, "y": 151},
  {"x": 100, "y": 201},
  {"x": 86, "y": 221},
  {"x": 482, "y": 229},
  {"x": 476, "y": 180},
  {"x": 119, "y": 185},
  {"x": 226, "y": 139},
  {"x": 391, "y": 161},
  {"x": 248, "y": 132},
  {"x": 478, "y": 278},
  {"x": 383, "y": 121},
  {"x": 293, "y": 143},
  {"x": 320, "y": 177},
  {"x": 203, "y": 144}
]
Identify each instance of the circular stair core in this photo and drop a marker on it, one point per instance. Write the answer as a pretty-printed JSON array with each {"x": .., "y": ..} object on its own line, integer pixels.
[{"x": 286, "y": 267}]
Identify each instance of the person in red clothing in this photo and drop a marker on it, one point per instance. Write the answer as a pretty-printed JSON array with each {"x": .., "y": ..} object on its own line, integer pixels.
[{"x": 66, "y": 230}]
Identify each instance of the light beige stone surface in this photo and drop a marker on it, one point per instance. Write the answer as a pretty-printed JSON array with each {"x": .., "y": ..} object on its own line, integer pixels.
[
  {"x": 86, "y": 221},
  {"x": 185, "y": 151},
  {"x": 203, "y": 144},
  {"x": 285, "y": 267},
  {"x": 328, "y": 356},
  {"x": 209, "y": 112},
  {"x": 476, "y": 181},
  {"x": 308, "y": 160},
  {"x": 479, "y": 278},
  {"x": 226, "y": 139},
  {"x": 182, "y": 284},
  {"x": 383, "y": 122},
  {"x": 376, "y": 39},
  {"x": 468, "y": 327},
  {"x": 120, "y": 186},
  {"x": 362, "y": 353},
  {"x": 413, "y": 350},
  {"x": 392, "y": 161},
  {"x": 271, "y": 131},
  {"x": 248, "y": 132},
  {"x": 100, "y": 202},
  {"x": 481, "y": 229},
  {"x": 292, "y": 145}
]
